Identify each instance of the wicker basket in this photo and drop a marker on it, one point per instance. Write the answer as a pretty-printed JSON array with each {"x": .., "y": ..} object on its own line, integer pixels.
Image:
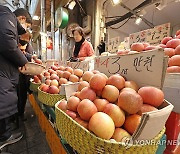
[
  {"x": 34, "y": 86},
  {"x": 49, "y": 99},
  {"x": 84, "y": 142}
]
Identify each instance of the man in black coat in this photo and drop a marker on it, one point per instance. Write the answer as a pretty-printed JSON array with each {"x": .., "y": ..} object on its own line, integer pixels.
[{"x": 10, "y": 59}]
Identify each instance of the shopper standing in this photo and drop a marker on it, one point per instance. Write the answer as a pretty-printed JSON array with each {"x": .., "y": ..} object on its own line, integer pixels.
[{"x": 10, "y": 59}]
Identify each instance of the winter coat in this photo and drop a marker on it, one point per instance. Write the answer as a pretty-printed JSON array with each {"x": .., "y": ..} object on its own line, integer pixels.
[{"x": 10, "y": 59}]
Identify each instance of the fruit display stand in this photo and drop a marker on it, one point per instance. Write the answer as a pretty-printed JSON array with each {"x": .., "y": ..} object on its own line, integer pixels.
[
  {"x": 46, "y": 118},
  {"x": 85, "y": 142},
  {"x": 172, "y": 93}
]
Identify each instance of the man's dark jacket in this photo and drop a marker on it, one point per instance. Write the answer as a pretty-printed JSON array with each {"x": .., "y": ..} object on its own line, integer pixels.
[{"x": 10, "y": 59}]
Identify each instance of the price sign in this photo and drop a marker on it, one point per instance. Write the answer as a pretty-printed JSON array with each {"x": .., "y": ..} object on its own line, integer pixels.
[
  {"x": 156, "y": 34},
  {"x": 144, "y": 68},
  {"x": 84, "y": 65},
  {"x": 138, "y": 37},
  {"x": 113, "y": 44},
  {"x": 152, "y": 36}
]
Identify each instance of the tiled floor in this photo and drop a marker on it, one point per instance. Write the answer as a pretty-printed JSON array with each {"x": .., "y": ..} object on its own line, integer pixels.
[{"x": 34, "y": 140}]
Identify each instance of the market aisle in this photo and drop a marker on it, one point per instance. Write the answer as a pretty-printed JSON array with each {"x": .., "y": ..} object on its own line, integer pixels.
[{"x": 34, "y": 140}]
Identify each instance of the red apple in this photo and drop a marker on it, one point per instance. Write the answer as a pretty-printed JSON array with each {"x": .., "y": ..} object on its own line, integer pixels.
[
  {"x": 53, "y": 90},
  {"x": 115, "y": 113}
]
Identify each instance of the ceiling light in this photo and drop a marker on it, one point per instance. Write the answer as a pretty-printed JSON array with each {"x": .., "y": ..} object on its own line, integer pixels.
[
  {"x": 162, "y": 5},
  {"x": 72, "y": 5},
  {"x": 116, "y": 2},
  {"x": 138, "y": 21},
  {"x": 36, "y": 17},
  {"x": 142, "y": 12}
]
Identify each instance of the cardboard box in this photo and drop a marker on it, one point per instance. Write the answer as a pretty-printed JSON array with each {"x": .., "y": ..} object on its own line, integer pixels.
[
  {"x": 153, "y": 122},
  {"x": 171, "y": 90}
]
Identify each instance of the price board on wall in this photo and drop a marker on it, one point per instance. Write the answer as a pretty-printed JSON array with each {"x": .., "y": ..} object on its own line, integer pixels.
[
  {"x": 145, "y": 68},
  {"x": 152, "y": 36},
  {"x": 84, "y": 65}
]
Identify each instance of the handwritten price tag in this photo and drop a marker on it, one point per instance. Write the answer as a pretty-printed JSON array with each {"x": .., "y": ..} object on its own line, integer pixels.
[
  {"x": 144, "y": 68},
  {"x": 152, "y": 36},
  {"x": 79, "y": 65}
]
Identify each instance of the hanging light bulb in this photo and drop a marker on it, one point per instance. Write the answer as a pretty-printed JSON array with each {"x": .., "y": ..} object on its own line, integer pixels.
[
  {"x": 138, "y": 21},
  {"x": 116, "y": 2},
  {"x": 72, "y": 5}
]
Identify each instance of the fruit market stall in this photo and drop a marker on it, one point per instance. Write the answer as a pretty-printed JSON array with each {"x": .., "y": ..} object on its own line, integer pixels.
[{"x": 102, "y": 98}]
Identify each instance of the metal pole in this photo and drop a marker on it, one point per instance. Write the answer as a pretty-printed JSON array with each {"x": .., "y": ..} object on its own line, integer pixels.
[
  {"x": 43, "y": 30},
  {"x": 52, "y": 29}
]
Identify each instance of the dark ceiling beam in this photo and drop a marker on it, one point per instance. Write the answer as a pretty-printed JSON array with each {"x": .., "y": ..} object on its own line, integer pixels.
[{"x": 129, "y": 14}]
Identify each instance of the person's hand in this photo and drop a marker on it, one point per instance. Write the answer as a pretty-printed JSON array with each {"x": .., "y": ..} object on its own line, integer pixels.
[{"x": 22, "y": 69}]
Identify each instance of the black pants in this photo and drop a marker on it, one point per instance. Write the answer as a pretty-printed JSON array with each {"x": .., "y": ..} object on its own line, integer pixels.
[
  {"x": 4, "y": 129},
  {"x": 23, "y": 88}
]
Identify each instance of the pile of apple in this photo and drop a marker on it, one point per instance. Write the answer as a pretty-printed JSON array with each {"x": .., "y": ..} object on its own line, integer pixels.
[
  {"x": 57, "y": 75},
  {"x": 111, "y": 107},
  {"x": 171, "y": 48}
]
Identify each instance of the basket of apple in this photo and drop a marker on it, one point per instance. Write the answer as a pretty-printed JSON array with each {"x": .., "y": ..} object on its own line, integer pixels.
[
  {"x": 35, "y": 82},
  {"x": 105, "y": 112},
  {"x": 54, "y": 77}
]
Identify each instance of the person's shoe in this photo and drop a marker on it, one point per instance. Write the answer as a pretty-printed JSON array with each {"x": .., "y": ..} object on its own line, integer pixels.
[{"x": 12, "y": 139}]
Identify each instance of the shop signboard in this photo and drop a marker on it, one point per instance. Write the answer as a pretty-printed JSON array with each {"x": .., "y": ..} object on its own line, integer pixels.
[
  {"x": 152, "y": 36},
  {"x": 145, "y": 68}
]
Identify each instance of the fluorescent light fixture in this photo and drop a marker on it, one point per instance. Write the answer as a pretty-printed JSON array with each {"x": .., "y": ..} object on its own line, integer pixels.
[
  {"x": 138, "y": 21},
  {"x": 36, "y": 17},
  {"x": 116, "y": 2},
  {"x": 72, "y": 5},
  {"x": 162, "y": 5},
  {"x": 142, "y": 13},
  {"x": 43, "y": 34}
]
